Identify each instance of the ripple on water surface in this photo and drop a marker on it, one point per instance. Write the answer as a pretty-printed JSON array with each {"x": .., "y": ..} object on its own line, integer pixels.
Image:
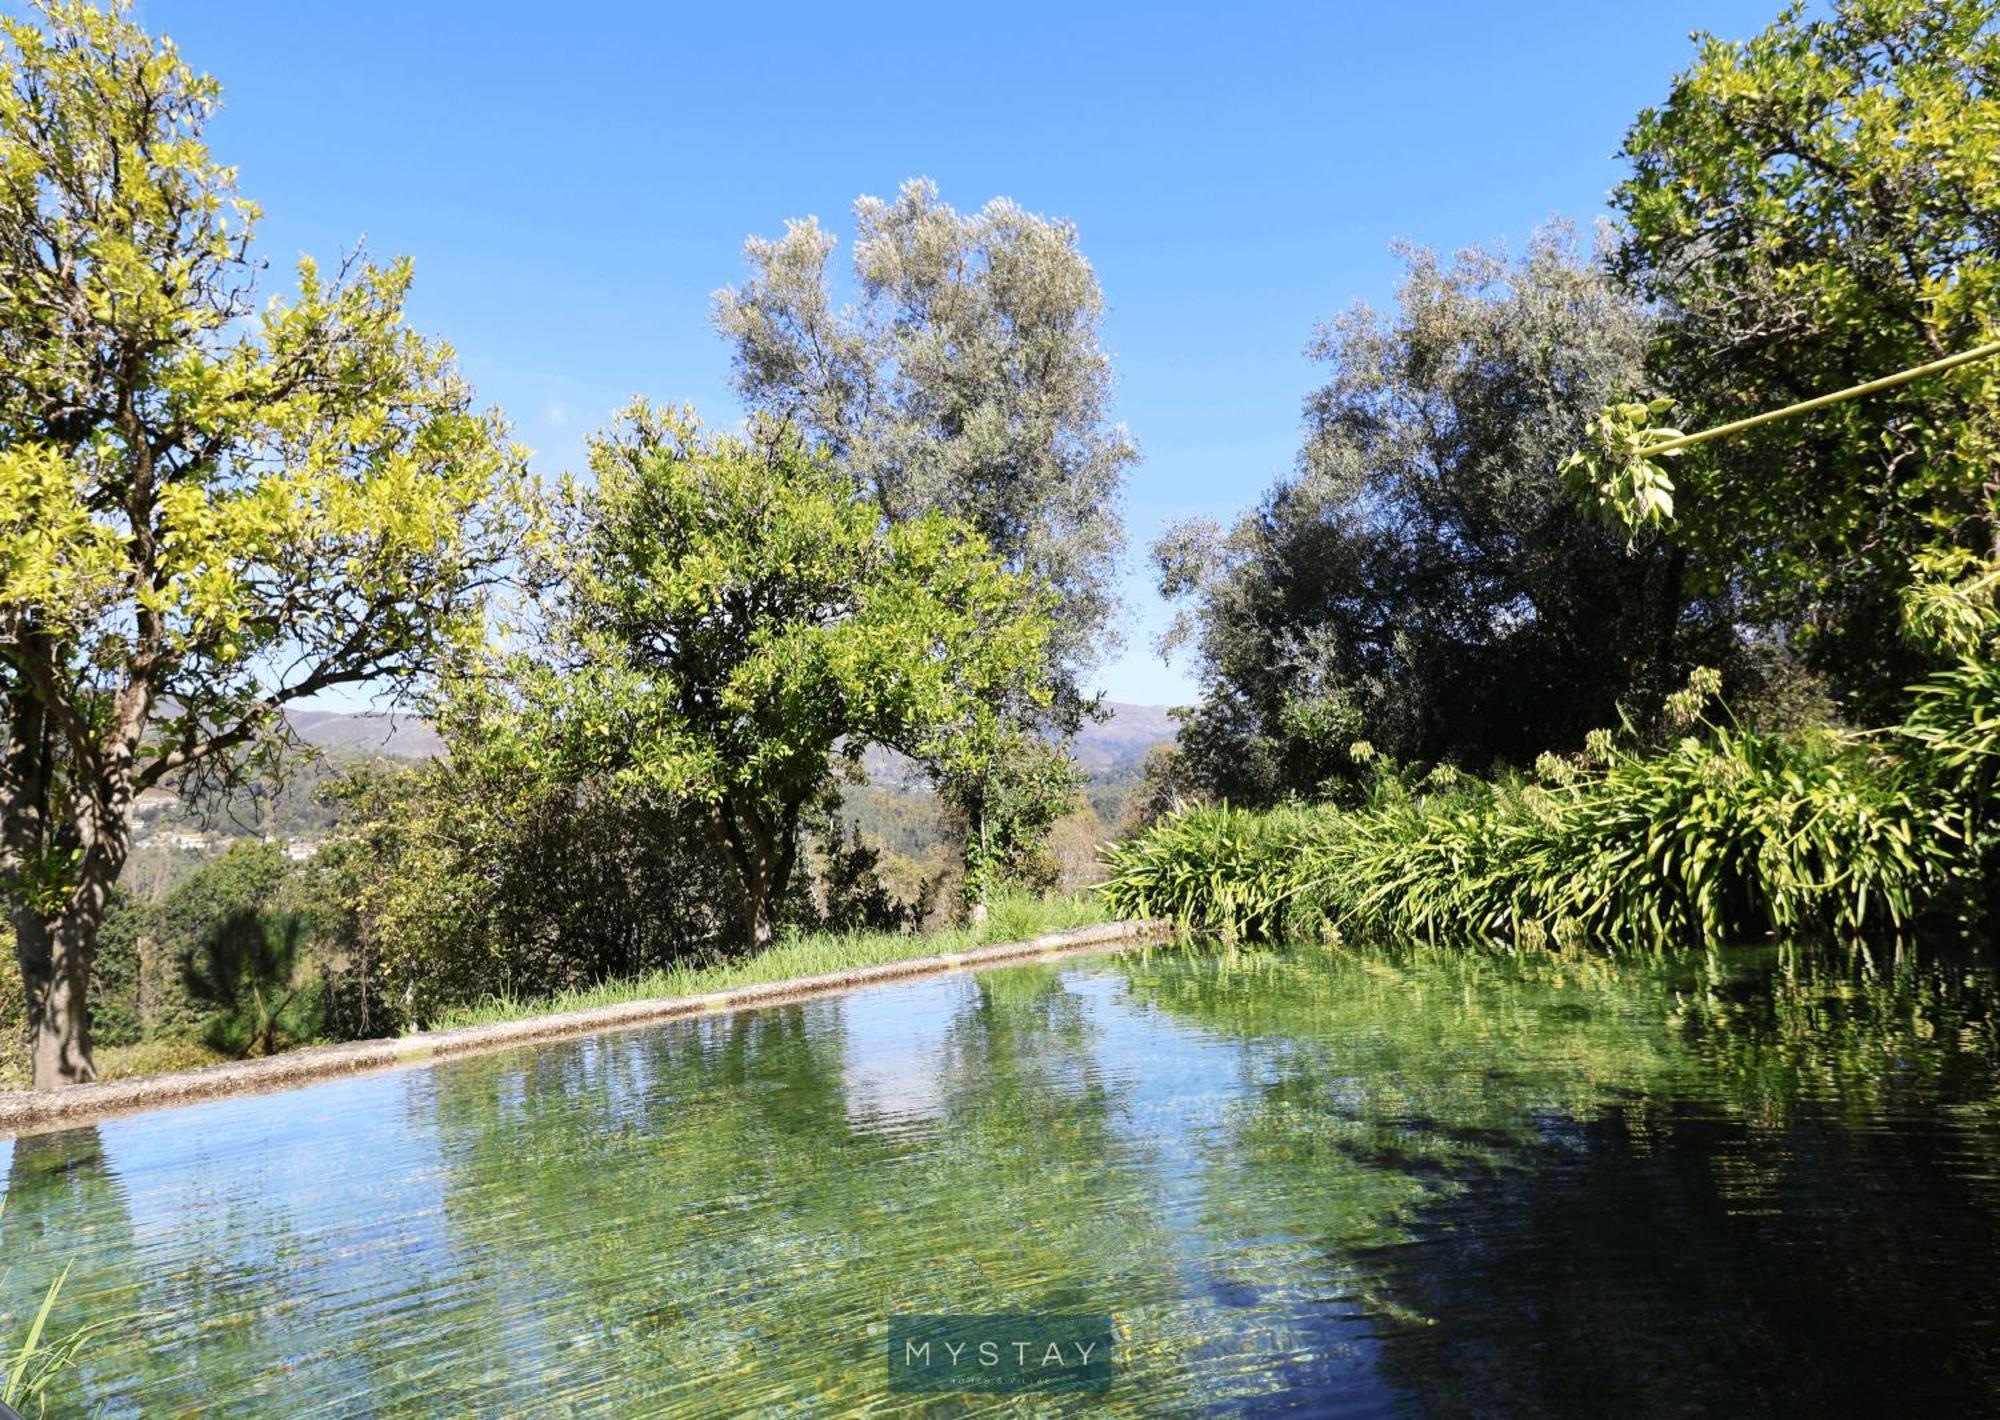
[{"x": 1388, "y": 1182}]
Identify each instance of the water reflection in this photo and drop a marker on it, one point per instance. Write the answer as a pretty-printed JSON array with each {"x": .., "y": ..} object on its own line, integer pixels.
[
  {"x": 1757, "y": 1182},
  {"x": 1752, "y": 1183}
]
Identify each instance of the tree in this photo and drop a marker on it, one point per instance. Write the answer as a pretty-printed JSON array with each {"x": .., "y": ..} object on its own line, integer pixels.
[
  {"x": 134, "y": 988},
  {"x": 243, "y": 954},
  {"x": 477, "y": 876},
  {"x": 1424, "y": 582},
  {"x": 1812, "y": 209},
  {"x": 207, "y": 509},
  {"x": 730, "y": 614},
  {"x": 970, "y": 382},
  {"x": 1003, "y": 789}
]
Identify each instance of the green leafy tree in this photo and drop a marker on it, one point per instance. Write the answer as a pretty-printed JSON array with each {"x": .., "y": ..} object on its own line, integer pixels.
[
  {"x": 730, "y": 615},
  {"x": 1810, "y": 209},
  {"x": 969, "y": 381},
  {"x": 475, "y": 876},
  {"x": 209, "y": 508},
  {"x": 850, "y": 894},
  {"x": 121, "y": 1010},
  {"x": 253, "y": 973},
  {"x": 1002, "y": 798},
  {"x": 243, "y": 947},
  {"x": 1424, "y": 583}
]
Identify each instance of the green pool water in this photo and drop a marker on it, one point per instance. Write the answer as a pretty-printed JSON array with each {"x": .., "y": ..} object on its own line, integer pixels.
[{"x": 1760, "y": 1182}]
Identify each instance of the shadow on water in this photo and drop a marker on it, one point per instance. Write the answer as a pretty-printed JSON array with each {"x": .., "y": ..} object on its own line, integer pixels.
[
  {"x": 1756, "y": 1183},
  {"x": 1670, "y": 1262}
]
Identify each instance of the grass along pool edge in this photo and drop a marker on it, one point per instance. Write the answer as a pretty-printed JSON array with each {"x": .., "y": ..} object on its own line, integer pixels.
[{"x": 40, "y": 1111}]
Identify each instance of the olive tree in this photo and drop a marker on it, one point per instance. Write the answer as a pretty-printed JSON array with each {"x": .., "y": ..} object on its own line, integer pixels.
[
  {"x": 209, "y": 507},
  {"x": 969, "y": 380},
  {"x": 1423, "y": 582}
]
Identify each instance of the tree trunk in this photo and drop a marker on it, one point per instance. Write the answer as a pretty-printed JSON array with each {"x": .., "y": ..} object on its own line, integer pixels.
[
  {"x": 55, "y": 969},
  {"x": 54, "y": 947},
  {"x": 55, "y": 952},
  {"x": 757, "y": 920},
  {"x": 762, "y": 855}
]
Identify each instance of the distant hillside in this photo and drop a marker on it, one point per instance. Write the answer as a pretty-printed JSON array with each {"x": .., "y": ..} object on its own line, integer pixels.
[
  {"x": 399, "y": 736},
  {"x": 1122, "y": 741},
  {"x": 1107, "y": 749},
  {"x": 897, "y": 809}
]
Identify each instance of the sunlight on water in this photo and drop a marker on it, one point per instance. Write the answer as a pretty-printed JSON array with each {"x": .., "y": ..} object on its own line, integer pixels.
[{"x": 1754, "y": 1183}]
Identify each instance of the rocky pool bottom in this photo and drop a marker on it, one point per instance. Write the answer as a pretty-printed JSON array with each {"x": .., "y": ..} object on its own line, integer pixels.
[{"x": 1388, "y": 1182}]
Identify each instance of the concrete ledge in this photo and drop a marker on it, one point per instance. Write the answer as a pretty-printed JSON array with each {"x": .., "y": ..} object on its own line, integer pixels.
[{"x": 38, "y": 1111}]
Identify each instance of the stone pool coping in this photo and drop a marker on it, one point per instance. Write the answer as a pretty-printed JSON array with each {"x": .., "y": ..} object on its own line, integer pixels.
[{"x": 38, "y": 1111}]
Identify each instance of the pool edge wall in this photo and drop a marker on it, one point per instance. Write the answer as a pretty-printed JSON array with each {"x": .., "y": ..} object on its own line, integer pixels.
[{"x": 41, "y": 1111}]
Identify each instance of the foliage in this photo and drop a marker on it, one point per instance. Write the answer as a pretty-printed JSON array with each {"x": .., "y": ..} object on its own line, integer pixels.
[
  {"x": 1425, "y": 582},
  {"x": 1012, "y": 917},
  {"x": 121, "y": 1006},
  {"x": 137, "y": 991},
  {"x": 31, "y": 1368},
  {"x": 919, "y": 855},
  {"x": 448, "y": 891},
  {"x": 850, "y": 895},
  {"x": 463, "y": 878},
  {"x": 1218, "y": 870},
  {"x": 208, "y": 508},
  {"x": 34, "y": 1364},
  {"x": 1811, "y": 209},
  {"x": 243, "y": 947},
  {"x": 1727, "y": 833},
  {"x": 1616, "y": 477},
  {"x": 1954, "y": 717},
  {"x": 1003, "y": 802},
  {"x": 247, "y": 877},
  {"x": 970, "y": 383},
  {"x": 293, "y": 803},
  {"x": 141, "y": 1007},
  {"x": 131, "y": 1062},
  {"x": 730, "y": 614},
  {"x": 13, "y": 1006},
  {"x": 252, "y": 973}
]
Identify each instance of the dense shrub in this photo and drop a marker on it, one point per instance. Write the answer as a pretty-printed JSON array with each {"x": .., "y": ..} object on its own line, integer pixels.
[
  {"x": 121, "y": 1005},
  {"x": 453, "y": 882},
  {"x": 1723, "y": 834}
]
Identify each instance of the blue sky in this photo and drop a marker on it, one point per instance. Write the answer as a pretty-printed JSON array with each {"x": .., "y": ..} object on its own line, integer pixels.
[{"x": 574, "y": 183}]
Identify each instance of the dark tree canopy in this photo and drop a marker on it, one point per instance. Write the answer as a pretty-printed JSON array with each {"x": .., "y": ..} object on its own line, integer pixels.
[{"x": 1424, "y": 582}]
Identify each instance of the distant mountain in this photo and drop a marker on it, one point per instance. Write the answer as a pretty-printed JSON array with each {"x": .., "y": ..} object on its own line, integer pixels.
[
  {"x": 1122, "y": 741},
  {"x": 367, "y": 732},
  {"x": 1103, "y": 749}
]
